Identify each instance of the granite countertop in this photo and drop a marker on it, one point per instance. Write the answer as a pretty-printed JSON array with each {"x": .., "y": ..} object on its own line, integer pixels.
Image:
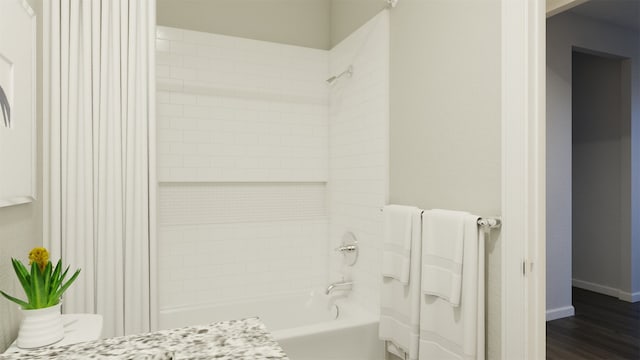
[{"x": 225, "y": 340}]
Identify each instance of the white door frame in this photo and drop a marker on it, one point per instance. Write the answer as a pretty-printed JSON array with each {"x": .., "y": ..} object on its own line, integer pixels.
[{"x": 523, "y": 179}]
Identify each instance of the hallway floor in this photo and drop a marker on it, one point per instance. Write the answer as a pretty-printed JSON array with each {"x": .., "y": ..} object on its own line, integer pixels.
[{"x": 603, "y": 328}]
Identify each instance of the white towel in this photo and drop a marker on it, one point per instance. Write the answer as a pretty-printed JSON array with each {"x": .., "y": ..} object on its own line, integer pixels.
[
  {"x": 396, "y": 244},
  {"x": 449, "y": 332},
  {"x": 442, "y": 254},
  {"x": 400, "y": 303}
]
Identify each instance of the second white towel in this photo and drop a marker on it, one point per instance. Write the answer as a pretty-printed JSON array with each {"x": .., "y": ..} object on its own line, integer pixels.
[
  {"x": 442, "y": 254},
  {"x": 457, "y": 332}
]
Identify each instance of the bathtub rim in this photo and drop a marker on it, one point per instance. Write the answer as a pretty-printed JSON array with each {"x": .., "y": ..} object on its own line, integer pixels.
[{"x": 354, "y": 316}]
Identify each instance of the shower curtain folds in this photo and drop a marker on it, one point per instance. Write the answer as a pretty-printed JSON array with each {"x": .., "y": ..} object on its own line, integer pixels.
[{"x": 98, "y": 100}]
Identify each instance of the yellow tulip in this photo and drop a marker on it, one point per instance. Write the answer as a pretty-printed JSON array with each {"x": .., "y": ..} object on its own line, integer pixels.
[{"x": 40, "y": 256}]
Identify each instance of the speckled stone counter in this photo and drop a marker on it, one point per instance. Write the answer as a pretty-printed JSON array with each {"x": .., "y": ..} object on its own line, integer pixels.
[{"x": 225, "y": 340}]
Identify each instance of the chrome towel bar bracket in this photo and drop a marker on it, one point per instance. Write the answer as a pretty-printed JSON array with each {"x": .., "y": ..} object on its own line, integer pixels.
[{"x": 489, "y": 223}]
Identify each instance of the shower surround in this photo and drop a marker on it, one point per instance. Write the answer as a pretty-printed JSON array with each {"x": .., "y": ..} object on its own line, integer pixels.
[{"x": 263, "y": 166}]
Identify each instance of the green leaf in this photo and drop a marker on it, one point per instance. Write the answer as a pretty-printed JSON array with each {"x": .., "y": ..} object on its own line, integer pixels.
[
  {"x": 56, "y": 271},
  {"x": 20, "y": 268},
  {"x": 57, "y": 292},
  {"x": 22, "y": 303},
  {"x": 47, "y": 281},
  {"x": 23, "y": 277},
  {"x": 55, "y": 283},
  {"x": 64, "y": 274},
  {"x": 67, "y": 284},
  {"x": 37, "y": 285}
]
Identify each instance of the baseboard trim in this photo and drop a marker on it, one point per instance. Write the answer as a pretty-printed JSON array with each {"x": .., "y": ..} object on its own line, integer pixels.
[
  {"x": 600, "y": 289},
  {"x": 629, "y": 297},
  {"x": 561, "y": 312},
  {"x": 606, "y": 290}
]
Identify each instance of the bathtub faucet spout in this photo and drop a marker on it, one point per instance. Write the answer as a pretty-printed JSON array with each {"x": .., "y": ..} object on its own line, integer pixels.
[{"x": 343, "y": 285}]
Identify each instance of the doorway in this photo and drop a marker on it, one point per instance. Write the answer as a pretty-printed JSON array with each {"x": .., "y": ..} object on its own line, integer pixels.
[
  {"x": 589, "y": 85},
  {"x": 601, "y": 173},
  {"x": 589, "y": 243}
]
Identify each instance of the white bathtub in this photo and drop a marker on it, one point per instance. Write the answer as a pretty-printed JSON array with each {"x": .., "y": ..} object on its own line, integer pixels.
[{"x": 305, "y": 326}]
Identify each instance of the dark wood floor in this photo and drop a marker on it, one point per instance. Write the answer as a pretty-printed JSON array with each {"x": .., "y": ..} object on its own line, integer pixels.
[{"x": 603, "y": 328}]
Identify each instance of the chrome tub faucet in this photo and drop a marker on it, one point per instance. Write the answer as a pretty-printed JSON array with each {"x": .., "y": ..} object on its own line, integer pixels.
[{"x": 341, "y": 285}]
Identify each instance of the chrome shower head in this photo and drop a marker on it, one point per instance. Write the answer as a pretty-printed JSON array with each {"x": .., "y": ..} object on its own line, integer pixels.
[
  {"x": 347, "y": 73},
  {"x": 331, "y": 80}
]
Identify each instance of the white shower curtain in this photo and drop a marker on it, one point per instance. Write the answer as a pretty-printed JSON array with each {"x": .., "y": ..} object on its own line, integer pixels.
[{"x": 98, "y": 106}]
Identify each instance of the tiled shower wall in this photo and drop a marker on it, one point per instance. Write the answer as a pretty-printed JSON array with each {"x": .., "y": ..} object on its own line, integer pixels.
[
  {"x": 257, "y": 153},
  {"x": 243, "y": 165},
  {"x": 358, "y": 148},
  {"x": 239, "y": 110}
]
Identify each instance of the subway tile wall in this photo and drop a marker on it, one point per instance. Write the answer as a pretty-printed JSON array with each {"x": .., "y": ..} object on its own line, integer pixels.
[
  {"x": 232, "y": 109},
  {"x": 212, "y": 264},
  {"x": 358, "y": 148},
  {"x": 227, "y": 203},
  {"x": 242, "y": 165},
  {"x": 263, "y": 167}
]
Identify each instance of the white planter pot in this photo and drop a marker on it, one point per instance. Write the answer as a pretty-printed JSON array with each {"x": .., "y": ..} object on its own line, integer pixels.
[{"x": 40, "y": 327}]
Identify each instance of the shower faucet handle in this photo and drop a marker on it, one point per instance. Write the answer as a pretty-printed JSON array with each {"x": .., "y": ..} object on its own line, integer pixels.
[
  {"x": 349, "y": 248},
  {"x": 346, "y": 248}
]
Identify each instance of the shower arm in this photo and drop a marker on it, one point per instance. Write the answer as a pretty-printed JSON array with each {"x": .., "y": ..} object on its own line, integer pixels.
[{"x": 348, "y": 73}]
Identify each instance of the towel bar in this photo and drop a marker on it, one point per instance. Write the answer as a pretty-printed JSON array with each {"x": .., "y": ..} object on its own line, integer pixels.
[{"x": 489, "y": 223}]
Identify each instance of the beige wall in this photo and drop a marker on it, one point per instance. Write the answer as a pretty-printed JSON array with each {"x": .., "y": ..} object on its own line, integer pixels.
[
  {"x": 445, "y": 139},
  {"x": 349, "y": 15},
  {"x": 20, "y": 226},
  {"x": 445, "y": 113},
  {"x": 318, "y": 24},
  {"x": 445, "y": 105},
  {"x": 294, "y": 22}
]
